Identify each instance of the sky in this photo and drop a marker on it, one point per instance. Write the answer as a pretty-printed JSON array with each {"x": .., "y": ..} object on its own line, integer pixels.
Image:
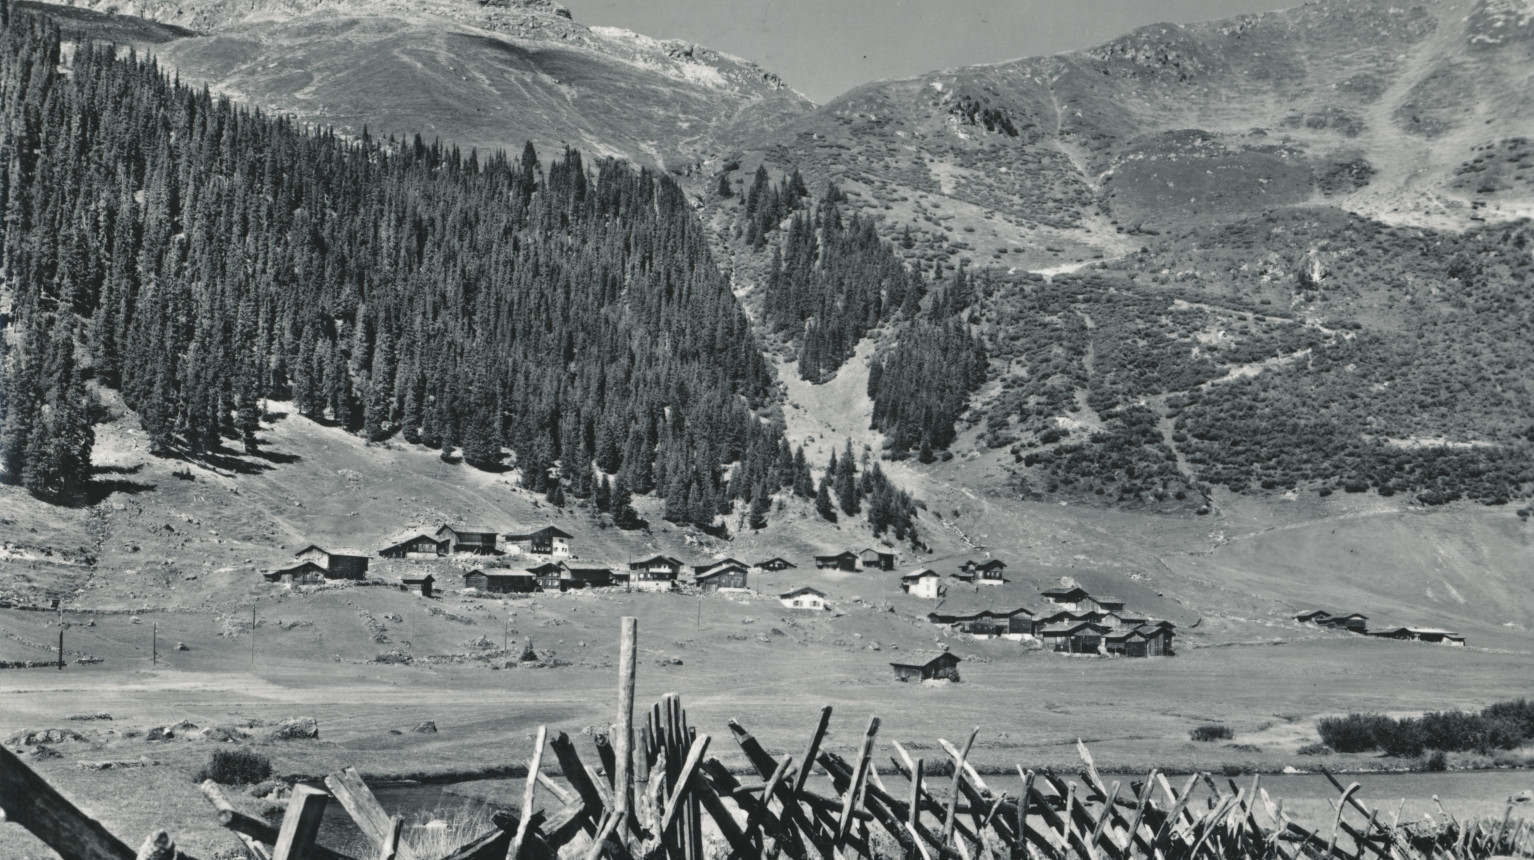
[{"x": 823, "y": 48}]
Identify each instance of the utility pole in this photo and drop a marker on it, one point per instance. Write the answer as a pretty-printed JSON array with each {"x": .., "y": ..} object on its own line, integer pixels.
[
  {"x": 505, "y": 633},
  {"x": 61, "y": 650},
  {"x": 253, "y": 637},
  {"x": 154, "y": 645}
]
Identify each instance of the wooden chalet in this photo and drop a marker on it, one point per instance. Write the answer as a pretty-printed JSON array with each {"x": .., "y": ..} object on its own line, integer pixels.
[
  {"x": 1065, "y": 598},
  {"x": 1422, "y": 634},
  {"x": 1353, "y": 622},
  {"x": 775, "y": 564},
  {"x": 1081, "y": 637},
  {"x": 934, "y": 666},
  {"x": 988, "y": 572},
  {"x": 340, "y": 564},
  {"x": 463, "y": 539},
  {"x": 699, "y": 569},
  {"x": 1010, "y": 623},
  {"x": 804, "y": 597},
  {"x": 576, "y": 578},
  {"x": 725, "y": 577},
  {"x": 548, "y": 575},
  {"x": 501, "y": 581},
  {"x": 990, "y": 576},
  {"x": 840, "y": 561},
  {"x": 549, "y": 540},
  {"x": 1071, "y": 616},
  {"x": 304, "y": 573},
  {"x": 923, "y": 583},
  {"x": 421, "y": 545},
  {"x": 657, "y": 573},
  {"x": 1143, "y": 641},
  {"x": 1312, "y": 616},
  {"x": 422, "y": 584},
  {"x": 1108, "y": 603},
  {"x": 872, "y": 559}
]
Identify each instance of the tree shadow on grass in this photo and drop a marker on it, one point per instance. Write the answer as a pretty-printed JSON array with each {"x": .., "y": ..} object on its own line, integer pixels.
[
  {"x": 99, "y": 490},
  {"x": 277, "y": 457}
]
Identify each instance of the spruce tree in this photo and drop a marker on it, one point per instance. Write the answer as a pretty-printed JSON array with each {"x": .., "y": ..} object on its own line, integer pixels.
[
  {"x": 846, "y": 472},
  {"x": 823, "y": 504},
  {"x": 760, "y": 505}
]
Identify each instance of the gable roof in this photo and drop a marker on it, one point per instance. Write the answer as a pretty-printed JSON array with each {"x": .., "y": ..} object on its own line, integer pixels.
[
  {"x": 1063, "y": 591},
  {"x": 777, "y": 559},
  {"x": 665, "y": 559},
  {"x": 303, "y": 567},
  {"x": 720, "y": 571},
  {"x": 468, "y": 530},
  {"x": 843, "y": 554},
  {"x": 500, "y": 574},
  {"x": 312, "y": 546},
  {"x": 411, "y": 536},
  {"x": 551, "y": 531},
  {"x": 803, "y": 589},
  {"x": 545, "y": 568},
  {"x": 920, "y": 574},
  {"x": 417, "y": 580},
  {"x": 921, "y": 659},
  {"x": 699, "y": 568},
  {"x": 1069, "y": 629}
]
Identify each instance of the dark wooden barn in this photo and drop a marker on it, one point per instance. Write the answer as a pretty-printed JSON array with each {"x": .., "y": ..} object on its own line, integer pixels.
[
  {"x": 840, "y": 561},
  {"x": 941, "y": 666},
  {"x": 418, "y": 545}
]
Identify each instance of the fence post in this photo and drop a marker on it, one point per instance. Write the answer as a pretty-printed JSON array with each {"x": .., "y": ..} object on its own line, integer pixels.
[{"x": 623, "y": 744}]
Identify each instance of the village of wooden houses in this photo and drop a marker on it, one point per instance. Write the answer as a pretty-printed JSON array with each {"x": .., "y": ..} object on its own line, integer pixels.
[{"x": 481, "y": 561}]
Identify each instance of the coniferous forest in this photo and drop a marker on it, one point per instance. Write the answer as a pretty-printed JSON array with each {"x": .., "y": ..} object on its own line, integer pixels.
[{"x": 199, "y": 257}]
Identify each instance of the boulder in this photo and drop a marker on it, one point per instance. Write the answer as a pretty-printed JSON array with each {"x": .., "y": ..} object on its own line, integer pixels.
[
  {"x": 32, "y": 737},
  {"x": 426, "y": 728},
  {"x": 294, "y": 729}
]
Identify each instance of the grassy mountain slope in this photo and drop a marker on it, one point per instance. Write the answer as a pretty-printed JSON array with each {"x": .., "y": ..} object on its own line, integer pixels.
[{"x": 491, "y": 76}]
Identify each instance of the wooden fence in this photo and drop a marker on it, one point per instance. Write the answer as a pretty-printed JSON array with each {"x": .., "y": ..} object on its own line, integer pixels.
[{"x": 658, "y": 795}]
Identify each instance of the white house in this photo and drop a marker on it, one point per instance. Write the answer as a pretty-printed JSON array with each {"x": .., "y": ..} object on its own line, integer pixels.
[
  {"x": 804, "y": 597},
  {"x": 923, "y": 583}
]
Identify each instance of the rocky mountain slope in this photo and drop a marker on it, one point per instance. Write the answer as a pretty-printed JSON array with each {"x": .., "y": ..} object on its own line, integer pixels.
[
  {"x": 486, "y": 75},
  {"x": 1412, "y": 113}
]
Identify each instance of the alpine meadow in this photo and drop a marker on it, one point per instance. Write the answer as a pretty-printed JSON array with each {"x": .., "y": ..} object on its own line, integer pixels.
[{"x": 383, "y": 380}]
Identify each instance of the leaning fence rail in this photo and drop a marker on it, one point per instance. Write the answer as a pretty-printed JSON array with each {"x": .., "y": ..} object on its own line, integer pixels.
[{"x": 658, "y": 795}]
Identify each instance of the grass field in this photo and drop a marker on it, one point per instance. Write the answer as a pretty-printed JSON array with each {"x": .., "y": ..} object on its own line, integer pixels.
[{"x": 193, "y": 549}]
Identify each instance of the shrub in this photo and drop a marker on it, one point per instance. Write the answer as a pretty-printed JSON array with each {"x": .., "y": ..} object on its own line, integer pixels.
[
  {"x": 239, "y": 766},
  {"x": 1402, "y": 738},
  {"x": 1213, "y": 732},
  {"x": 1314, "y": 749},
  {"x": 1352, "y": 733},
  {"x": 1520, "y": 711},
  {"x": 1435, "y": 761}
]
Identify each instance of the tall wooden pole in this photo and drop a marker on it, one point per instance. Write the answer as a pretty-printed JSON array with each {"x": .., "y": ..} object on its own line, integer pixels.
[
  {"x": 61, "y": 650},
  {"x": 154, "y": 644},
  {"x": 253, "y": 636},
  {"x": 623, "y": 743}
]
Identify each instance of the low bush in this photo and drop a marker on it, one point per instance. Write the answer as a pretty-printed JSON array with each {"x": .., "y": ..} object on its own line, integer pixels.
[
  {"x": 239, "y": 766},
  {"x": 1352, "y": 733},
  {"x": 1434, "y": 762},
  {"x": 1403, "y": 738},
  {"x": 1213, "y": 732},
  {"x": 1314, "y": 749},
  {"x": 1502, "y": 726}
]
